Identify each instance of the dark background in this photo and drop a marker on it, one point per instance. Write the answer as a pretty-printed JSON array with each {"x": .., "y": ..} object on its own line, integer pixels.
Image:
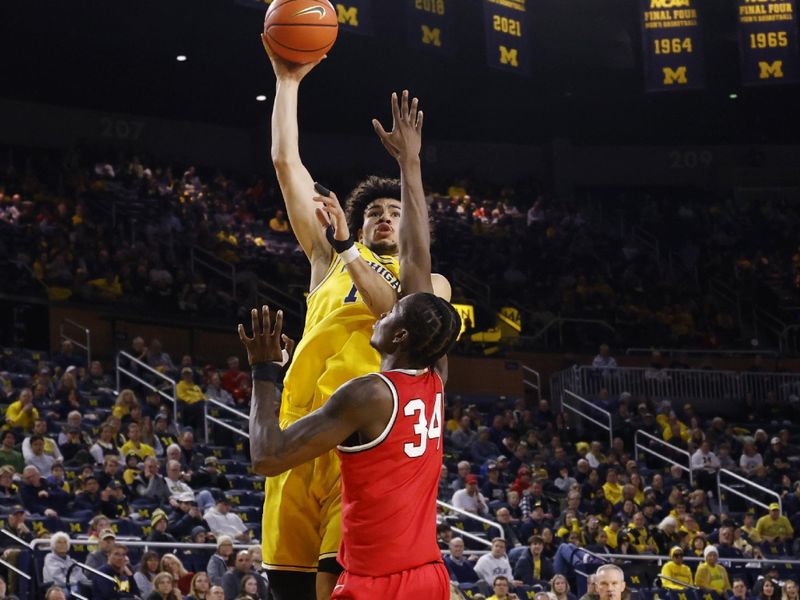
[{"x": 586, "y": 83}]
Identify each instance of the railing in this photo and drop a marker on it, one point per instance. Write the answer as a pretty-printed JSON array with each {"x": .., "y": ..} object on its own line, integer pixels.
[
  {"x": 124, "y": 371},
  {"x": 727, "y": 294},
  {"x": 533, "y": 380},
  {"x": 93, "y": 571},
  {"x": 648, "y": 241},
  {"x": 639, "y": 447},
  {"x": 478, "y": 289},
  {"x": 573, "y": 397},
  {"x": 215, "y": 264},
  {"x": 220, "y": 422},
  {"x": 789, "y": 341},
  {"x": 277, "y": 298},
  {"x": 19, "y": 572},
  {"x": 85, "y": 344},
  {"x": 137, "y": 543},
  {"x": 475, "y": 517},
  {"x": 670, "y": 352},
  {"x": 746, "y": 482}
]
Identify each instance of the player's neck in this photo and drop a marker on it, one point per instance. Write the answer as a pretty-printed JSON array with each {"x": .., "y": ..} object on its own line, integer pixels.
[{"x": 394, "y": 362}]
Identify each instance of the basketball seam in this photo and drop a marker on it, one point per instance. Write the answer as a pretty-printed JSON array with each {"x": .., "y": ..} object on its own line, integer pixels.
[{"x": 297, "y": 49}]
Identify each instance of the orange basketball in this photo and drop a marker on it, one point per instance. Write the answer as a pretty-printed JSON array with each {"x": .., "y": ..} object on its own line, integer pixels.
[{"x": 301, "y": 31}]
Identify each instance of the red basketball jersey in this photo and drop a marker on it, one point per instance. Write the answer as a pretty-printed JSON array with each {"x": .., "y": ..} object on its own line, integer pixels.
[{"x": 389, "y": 485}]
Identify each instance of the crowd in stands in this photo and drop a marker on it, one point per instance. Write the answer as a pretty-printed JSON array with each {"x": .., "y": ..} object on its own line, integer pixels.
[
  {"x": 553, "y": 257},
  {"x": 81, "y": 462},
  {"x": 565, "y": 501}
]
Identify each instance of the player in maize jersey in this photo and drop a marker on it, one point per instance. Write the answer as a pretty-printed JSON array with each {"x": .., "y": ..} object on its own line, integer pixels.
[
  {"x": 387, "y": 422},
  {"x": 301, "y": 521}
]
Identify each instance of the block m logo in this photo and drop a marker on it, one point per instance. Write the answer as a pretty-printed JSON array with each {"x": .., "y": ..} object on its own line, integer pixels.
[
  {"x": 509, "y": 56},
  {"x": 347, "y": 15},
  {"x": 673, "y": 76},
  {"x": 773, "y": 69},
  {"x": 432, "y": 36}
]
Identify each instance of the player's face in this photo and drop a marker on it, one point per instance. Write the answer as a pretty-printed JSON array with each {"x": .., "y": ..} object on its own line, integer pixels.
[
  {"x": 386, "y": 327},
  {"x": 381, "y": 221}
]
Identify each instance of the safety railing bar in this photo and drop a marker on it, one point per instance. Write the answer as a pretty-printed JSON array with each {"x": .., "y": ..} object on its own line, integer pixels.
[
  {"x": 678, "y": 582},
  {"x": 19, "y": 572},
  {"x": 78, "y": 596},
  {"x": 472, "y": 516},
  {"x": 228, "y": 426},
  {"x": 18, "y": 539},
  {"x": 214, "y": 268},
  {"x": 145, "y": 383},
  {"x": 746, "y": 481},
  {"x": 530, "y": 384},
  {"x": 662, "y": 442},
  {"x": 719, "y": 352},
  {"x": 471, "y": 536},
  {"x": 228, "y": 408},
  {"x": 731, "y": 490},
  {"x": 145, "y": 366},
  {"x": 75, "y": 342},
  {"x": 140, "y": 543},
  {"x": 585, "y": 416},
  {"x": 665, "y": 458},
  {"x": 585, "y": 401},
  {"x": 690, "y": 558},
  {"x": 93, "y": 571}
]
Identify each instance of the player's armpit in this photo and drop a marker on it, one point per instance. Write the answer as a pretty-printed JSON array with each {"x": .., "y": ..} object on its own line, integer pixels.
[{"x": 359, "y": 405}]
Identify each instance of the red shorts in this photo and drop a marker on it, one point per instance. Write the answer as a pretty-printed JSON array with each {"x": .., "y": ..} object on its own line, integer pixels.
[{"x": 430, "y": 582}]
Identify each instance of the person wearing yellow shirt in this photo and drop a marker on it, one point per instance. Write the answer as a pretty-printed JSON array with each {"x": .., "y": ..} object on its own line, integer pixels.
[
  {"x": 775, "y": 528},
  {"x": 279, "y": 223},
  {"x": 135, "y": 445},
  {"x": 22, "y": 413},
  {"x": 612, "y": 531},
  {"x": 641, "y": 539},
  {"x": 749, "y": 528},
  {"x": 191, "y": 401},
  {"x": 611, "y": 489},
  {"x": 710, "y": 574},
  {"x": 676, "y": 574}
]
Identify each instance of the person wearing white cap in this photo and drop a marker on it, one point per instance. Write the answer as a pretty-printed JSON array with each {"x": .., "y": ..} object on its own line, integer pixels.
[{"x": 710, "y": 574}]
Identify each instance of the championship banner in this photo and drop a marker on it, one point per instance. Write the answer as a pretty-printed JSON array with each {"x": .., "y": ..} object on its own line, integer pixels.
[
  {"x": 673, "y": 54},
  {"x": 768, "y": 41},
  {"x": 507, "y": 43},
  {"x": 355, "y": 16},
  {"x": 431, "y": 25}
]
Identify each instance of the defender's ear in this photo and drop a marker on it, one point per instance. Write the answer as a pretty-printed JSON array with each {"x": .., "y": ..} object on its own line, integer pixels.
[{"x": 400, "y": 337}]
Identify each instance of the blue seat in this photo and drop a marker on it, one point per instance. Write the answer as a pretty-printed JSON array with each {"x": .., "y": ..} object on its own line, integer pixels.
[
  {"x": 243, "y": 497},
  {"x": 234, "y": 467},
  {"x": 515, "y": 554}
]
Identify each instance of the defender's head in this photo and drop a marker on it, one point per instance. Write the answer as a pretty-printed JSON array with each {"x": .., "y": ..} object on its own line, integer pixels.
[
  {"x": 373, "y": 213},
  {"x": 422, "y": 326}
]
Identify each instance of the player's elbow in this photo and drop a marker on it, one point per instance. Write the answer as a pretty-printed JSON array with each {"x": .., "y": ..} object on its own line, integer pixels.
[{"x": 268, "y": 467}]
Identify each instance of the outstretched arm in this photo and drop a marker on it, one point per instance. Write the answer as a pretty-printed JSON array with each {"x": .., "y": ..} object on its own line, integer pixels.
[
  {"x": 296, "y": 183},
  {"x": 352, "y": 407}
]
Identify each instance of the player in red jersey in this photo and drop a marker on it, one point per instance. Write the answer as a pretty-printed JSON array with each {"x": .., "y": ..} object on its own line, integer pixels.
[{"x": 386, "y": 426}]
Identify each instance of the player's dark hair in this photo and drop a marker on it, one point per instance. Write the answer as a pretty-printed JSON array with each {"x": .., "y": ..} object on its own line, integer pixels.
[
  {"x": 433, "y": 326},
  {"x": 364, "y": 194}
]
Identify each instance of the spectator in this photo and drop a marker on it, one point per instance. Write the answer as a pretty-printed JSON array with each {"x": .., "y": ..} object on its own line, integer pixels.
[
  {"x": 200, "y": 587},
  {"x": 774, "y": 528},
  {"x": 150, "y": 483},
  {"x": 279, "y": 223},
  {"x": 493, "y": 489},
  {"x": 158, "y": 359},
  {"x": 710, "y": 574},
  {"x": 215, "y": 592},
  {"x": 766, "y": 589},
  {"x": 218, "y": 563},
  {"x": 135, "y": 443},
  {"x": 52, "y": 593},
  {"x": 463, "y": 437},
  {"x": 159, "y": 522},
  {"x": 705, "y": 464},
  {"x": 483, "y": 449},
  {"x": 164, "y": 588},
  {"x": 15, "y": 523},
  {"x": 559, "y": 587},
  {"x": 242, "y": 567},
  {"x": 174, "y": 480},
  {"x": 235, "y": 381},
  {"x": 9, "y": 455},
  {"x": 96, "y": 380},
  {"x": 100, "y": 557},
  {"x": 126, "y": 399},
  {"x": 21, "y": 413},
  {"x": 186, "y": 516},
  {"x": 500, "y": 587},
  {"x": 191, "y": 458},
  {"x": 604, "y": 362},
  {"x": 104, "y": 445},
  {"x": 248, "y": 588},
  {"x": 790, "y": 590},
  {"x": 494, "y": 563},
  {"x": 591, "y": 588},
  {"x": 209, "y": 476},
  {"x": 676, "y": 575},
  {"x": 460, "y": 482},
  {"x": 172, "y": 564},
  {"x": 37, "y": 495},
  {"x": 123, "y": 585},
  {"x": 221, "y": 521},
  {"x": 148, "y": 569},
  {"x": 191, "y": 400},
  {"x": 461, "y": 569},
  {"x": 57, "y": 562},
  {"x": 470, "y": 499},
  {"x": 612, "y": 490},
  {"x": 533, "y": 568},
  {"x": 215, "y": 391},
  {"x": 739, "y": 589}
]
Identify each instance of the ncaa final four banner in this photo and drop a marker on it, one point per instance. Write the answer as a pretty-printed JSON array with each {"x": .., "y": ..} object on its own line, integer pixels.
[
  {"x": 673, "y": 53},
  {"x": 431, "y": 25},
  {"x": 768, "y": 41},
  {"x": 507, "y": 42}
]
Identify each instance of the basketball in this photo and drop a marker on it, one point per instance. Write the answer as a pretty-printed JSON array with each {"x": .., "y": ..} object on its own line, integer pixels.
[{"x": 301, "y": 31}]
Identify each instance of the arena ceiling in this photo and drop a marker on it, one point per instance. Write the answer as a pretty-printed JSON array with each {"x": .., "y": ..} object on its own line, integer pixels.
[{"x": 586, "y": 83}]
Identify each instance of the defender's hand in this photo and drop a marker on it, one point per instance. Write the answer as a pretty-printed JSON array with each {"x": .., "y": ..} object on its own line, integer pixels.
[
  {"x": 405, "y": 139},
  {"x": 331, "y": 213},
  {"x": 265, "y": 345},
  {"x": 285, "y": 70}
]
